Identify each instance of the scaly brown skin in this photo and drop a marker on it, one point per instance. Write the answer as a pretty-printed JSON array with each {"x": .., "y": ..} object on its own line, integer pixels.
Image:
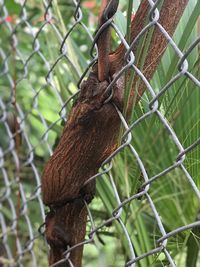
[
  {"x": 108, "y": 9},
  {"x": 170, "y": 15},
  {"x": 90, "y": 135}
]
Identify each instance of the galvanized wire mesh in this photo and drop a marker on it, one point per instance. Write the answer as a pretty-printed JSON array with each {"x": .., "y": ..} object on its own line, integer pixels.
[{"x": 29, "y": 75}]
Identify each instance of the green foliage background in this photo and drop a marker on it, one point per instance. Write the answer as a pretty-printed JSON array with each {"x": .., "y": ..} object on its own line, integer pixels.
[{"x": 37, "y": 95}]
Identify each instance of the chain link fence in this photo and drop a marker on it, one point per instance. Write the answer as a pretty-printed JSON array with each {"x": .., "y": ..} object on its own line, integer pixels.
[{"x": 154, "y": 202}]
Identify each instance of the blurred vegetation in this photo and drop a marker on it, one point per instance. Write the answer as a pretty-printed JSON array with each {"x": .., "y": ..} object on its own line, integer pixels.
[{"x": 41, "y": 96}]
